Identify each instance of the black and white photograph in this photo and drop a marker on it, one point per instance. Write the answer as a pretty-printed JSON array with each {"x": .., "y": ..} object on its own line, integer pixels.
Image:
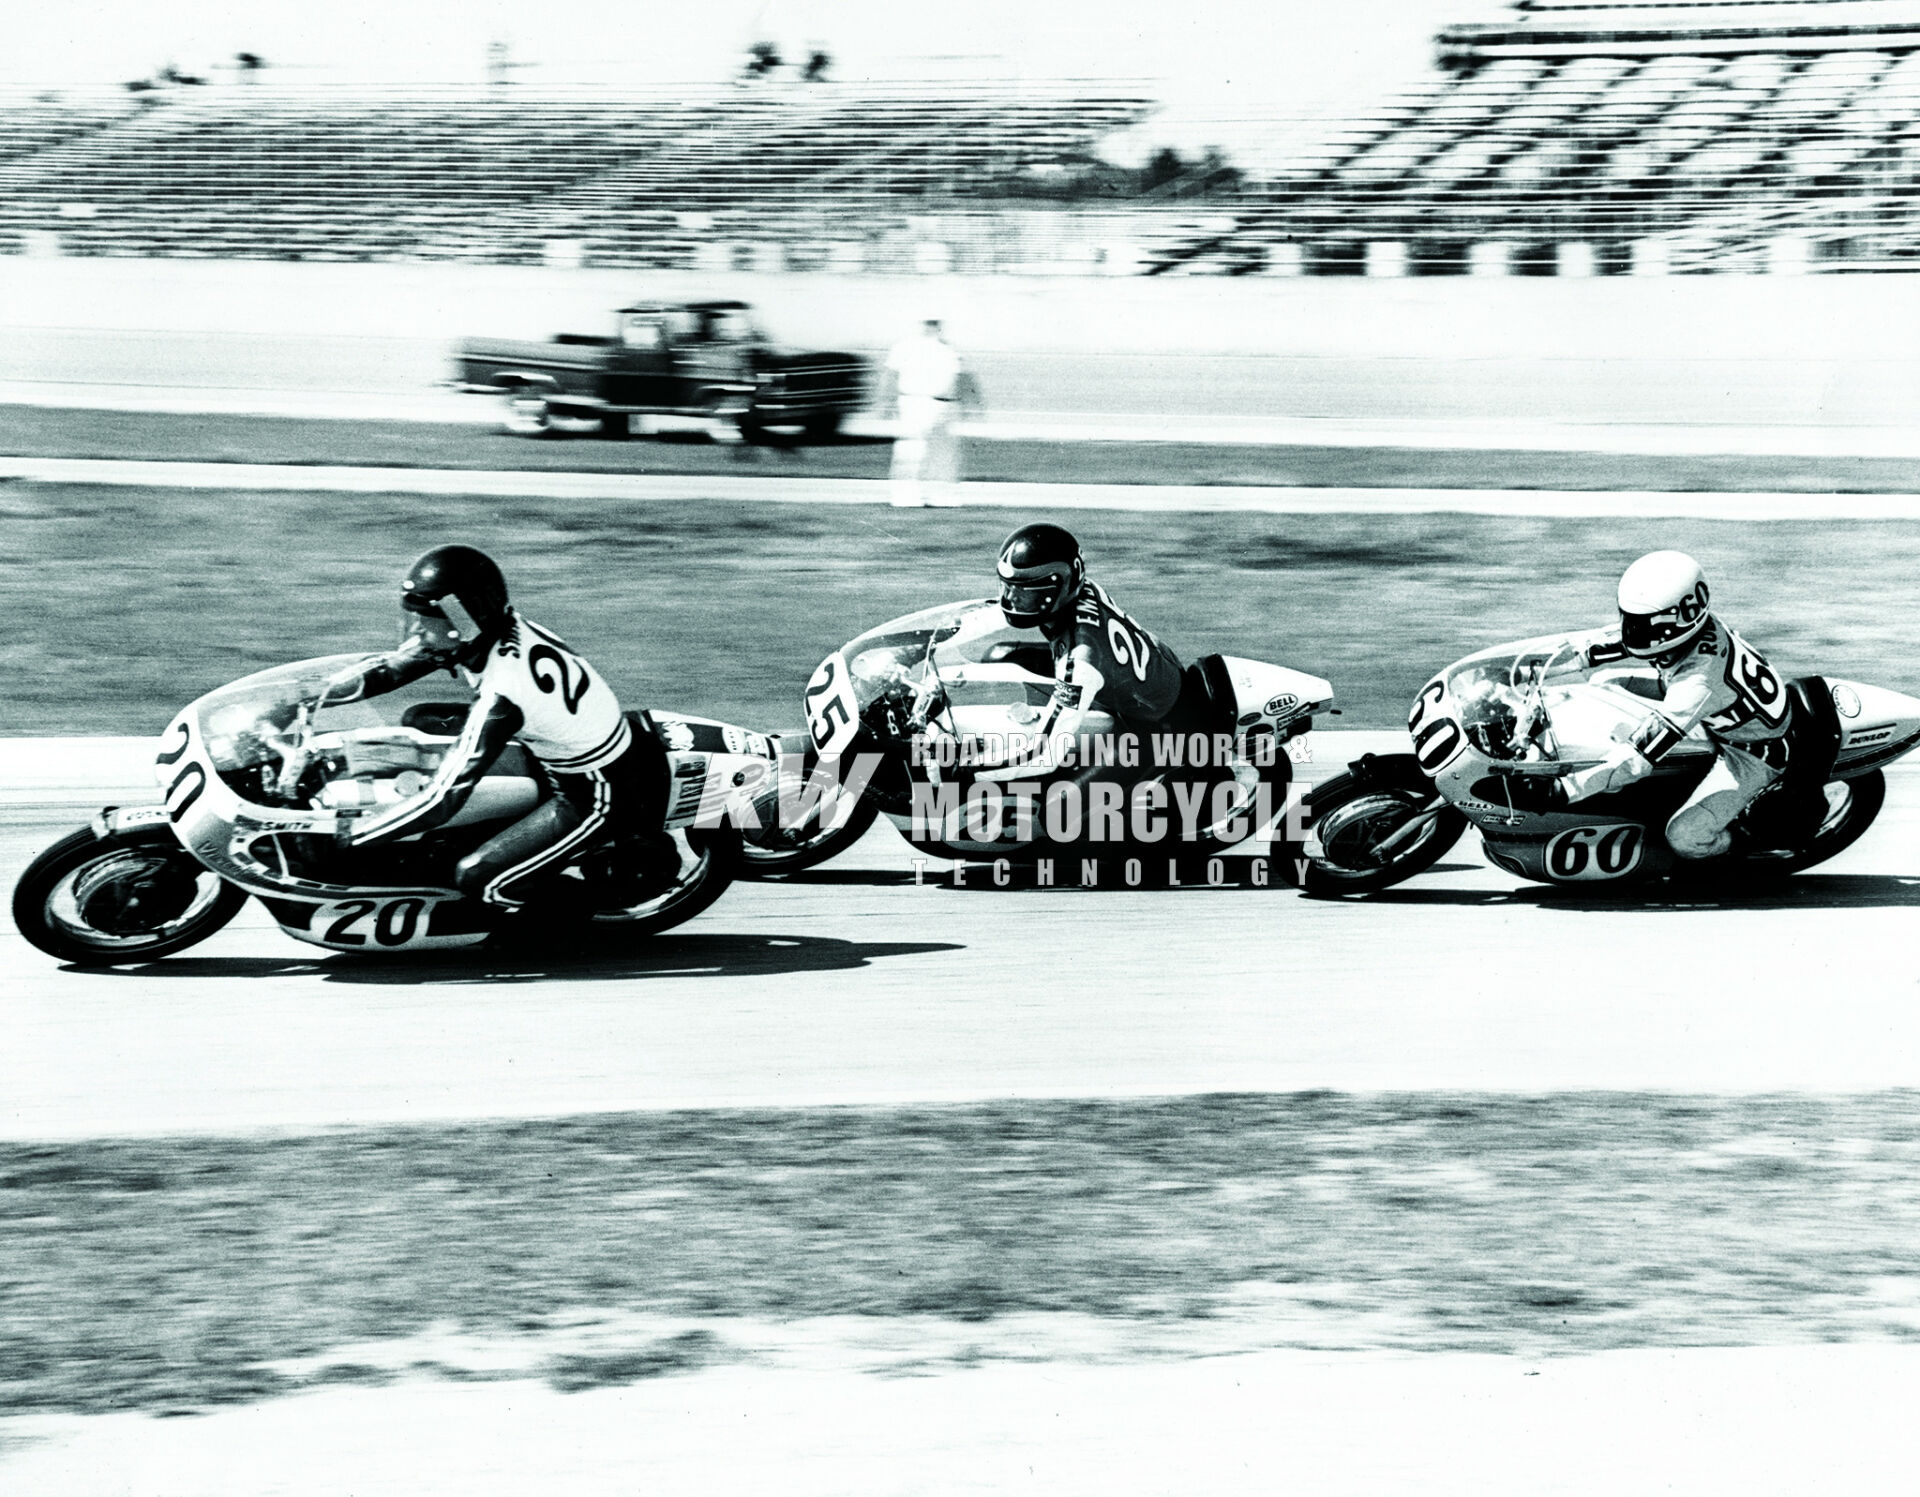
[{"x": 821, "y": 747}]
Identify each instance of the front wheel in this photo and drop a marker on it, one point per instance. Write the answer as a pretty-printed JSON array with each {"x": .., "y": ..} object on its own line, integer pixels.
[
  {"x": 1374, "y": 832},
  {"x": 528, "y": 414},
  {"x": 133, "y": 897}
]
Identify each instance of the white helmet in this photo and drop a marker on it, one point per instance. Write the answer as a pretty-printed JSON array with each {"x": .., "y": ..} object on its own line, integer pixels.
[{"x": 1663, "y": 603}]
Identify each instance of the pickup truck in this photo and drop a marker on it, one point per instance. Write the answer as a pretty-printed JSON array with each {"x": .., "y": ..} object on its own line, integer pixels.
[{"x": 706, "y": 359}]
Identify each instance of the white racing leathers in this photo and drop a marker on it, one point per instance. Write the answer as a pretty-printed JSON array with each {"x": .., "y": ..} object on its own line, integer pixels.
[{"x": 1721, "y": 683}]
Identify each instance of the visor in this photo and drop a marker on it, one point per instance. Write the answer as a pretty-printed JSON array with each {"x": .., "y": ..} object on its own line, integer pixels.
[
  {"x": 445, "y": 611},
  {"x": 1644, "y": 633}
]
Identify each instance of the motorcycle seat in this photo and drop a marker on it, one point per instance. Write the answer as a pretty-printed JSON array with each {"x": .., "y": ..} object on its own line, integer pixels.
[{"x": 1207, "y": 703}]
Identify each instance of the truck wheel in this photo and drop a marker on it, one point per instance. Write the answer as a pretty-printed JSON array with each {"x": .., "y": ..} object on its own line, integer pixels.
[
  {"x": 824, "y": 428},
  {"x": 724, "y": 416},
  {"x": 528, "y": 414},
  {"x": 619, "y": 427}
]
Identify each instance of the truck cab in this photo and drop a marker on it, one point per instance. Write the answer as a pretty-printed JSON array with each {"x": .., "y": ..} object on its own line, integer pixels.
[{"x": 703, "y": 359}]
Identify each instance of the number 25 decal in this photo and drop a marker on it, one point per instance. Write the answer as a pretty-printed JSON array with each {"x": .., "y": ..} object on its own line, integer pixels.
[
  {"x": 571, "y": 681},
  {"x": 1437, "y": 736},
  {"x": 1130, "y": 646},
  {"x": 830, "y": 706}
]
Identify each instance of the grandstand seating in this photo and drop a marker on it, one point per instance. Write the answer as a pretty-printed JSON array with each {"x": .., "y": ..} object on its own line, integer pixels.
[
  {"x": 1575, "y": 137},
  {"x": 628, "y": 179},
  {"x": 1689, "y": 135}
]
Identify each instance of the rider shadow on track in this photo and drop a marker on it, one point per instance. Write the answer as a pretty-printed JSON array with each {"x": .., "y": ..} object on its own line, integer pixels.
[
  {"x": 681, "y": 956},
  {"x": 1807, "y": 891}
]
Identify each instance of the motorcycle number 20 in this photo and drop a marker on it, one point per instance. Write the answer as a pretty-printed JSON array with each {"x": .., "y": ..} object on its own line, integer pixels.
[
  {"x": 831, "y": 708},
  {"x": 389, "y": 923},
  {"x": 1595, "y": 852}
]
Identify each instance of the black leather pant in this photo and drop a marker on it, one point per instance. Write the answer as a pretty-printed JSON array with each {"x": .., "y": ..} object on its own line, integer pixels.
[{"x": 627, "y": 799}]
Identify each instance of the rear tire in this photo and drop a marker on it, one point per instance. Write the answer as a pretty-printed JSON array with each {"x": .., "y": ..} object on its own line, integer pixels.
[
  {"x": 1848, "y": 817},
  {"x": 718, "y": 863},
  {"x": 1357, "y": 813},
  {"x": 824, "y": 428},
  {"x": 768, "y": 862},
  {"x": 48, "y": 899}
]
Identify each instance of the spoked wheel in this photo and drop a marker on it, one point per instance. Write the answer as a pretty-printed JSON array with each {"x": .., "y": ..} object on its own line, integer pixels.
[
  {"x": 1852, "y": 807},
  {"x": 709, "y": 862},
  {"x": 98, "y": 902},
  {"x": 808, "y": 846},
  {"x": 1370, "y": 834}
]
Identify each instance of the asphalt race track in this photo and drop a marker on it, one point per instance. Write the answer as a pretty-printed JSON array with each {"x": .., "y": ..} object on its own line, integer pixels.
[{"x": 852, "y": 984}]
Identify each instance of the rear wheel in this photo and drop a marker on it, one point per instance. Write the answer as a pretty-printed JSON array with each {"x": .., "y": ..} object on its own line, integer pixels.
[
  {"x": 133, "y": 897},
  {"x": 823, "y": 427},
  {"x": 1356, "y": 817},
  {"x": 1852, "y": 807},
  {"x": 709, "y": 862}
]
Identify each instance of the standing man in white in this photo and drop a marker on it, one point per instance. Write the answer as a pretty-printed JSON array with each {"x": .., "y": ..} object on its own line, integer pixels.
[{"x": 929, "y": 386}]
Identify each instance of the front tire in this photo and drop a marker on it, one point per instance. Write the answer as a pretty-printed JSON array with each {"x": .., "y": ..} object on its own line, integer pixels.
[
  {"x": 140, "y": 877},
  {"x": 804, "y": 852},
  {"x": 1354, "y": 814},
  {"x": 528, "y": 414}
]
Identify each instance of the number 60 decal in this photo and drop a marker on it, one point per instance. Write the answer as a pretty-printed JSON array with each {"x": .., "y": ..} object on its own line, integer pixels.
[
  {"x": 1437, "y": 736},
  {"x": 1596, "y": 852}
]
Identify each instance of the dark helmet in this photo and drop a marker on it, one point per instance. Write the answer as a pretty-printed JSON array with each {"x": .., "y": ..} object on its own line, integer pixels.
[
  {"x": 1040, "y": 572},
  {"x": 455, "y": 601}
]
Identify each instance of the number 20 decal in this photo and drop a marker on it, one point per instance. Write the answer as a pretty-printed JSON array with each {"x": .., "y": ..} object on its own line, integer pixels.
[
  {"x": 1437, "y": 736},
  {"x": 395, "y": 921},
  {"x": 572, "y": 681}
]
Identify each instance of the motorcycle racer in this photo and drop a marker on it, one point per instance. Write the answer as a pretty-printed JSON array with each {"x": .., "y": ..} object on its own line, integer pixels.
[
  {"x": 1711, "y": 678},
  {"x": 1101, "y": 657},
  {"x": 531, "y": 685}
]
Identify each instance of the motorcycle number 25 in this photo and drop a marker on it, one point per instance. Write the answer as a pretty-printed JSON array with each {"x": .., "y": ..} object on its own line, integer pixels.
[
  {"x": 1595, "y": 852},
  {"x": 832, "y": 712}
]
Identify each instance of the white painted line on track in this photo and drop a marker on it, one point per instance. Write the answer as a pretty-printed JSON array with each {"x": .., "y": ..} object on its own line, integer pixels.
[{"x": 663, "y": 488}]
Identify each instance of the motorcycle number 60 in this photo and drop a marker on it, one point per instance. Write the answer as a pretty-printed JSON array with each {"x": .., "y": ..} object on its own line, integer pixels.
[
  {"x": 1437, "y": 736},
  {"x": 1595, "y": 852},
  {"x": 832, "y": 712}
]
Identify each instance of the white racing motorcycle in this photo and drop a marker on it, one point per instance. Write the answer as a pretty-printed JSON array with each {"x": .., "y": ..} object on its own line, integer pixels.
[
  {"x": 938, "y": 696},
  {"x": 253, "y": 775},
  {"x": 1492, "y": 732}
]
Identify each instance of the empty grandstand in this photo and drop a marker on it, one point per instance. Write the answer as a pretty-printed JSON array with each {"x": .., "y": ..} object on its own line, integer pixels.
[
  {"x": 1592, "y": 138},
  {"x": 1569, "y": 138},
  {"x": 825, "y": 174}
]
